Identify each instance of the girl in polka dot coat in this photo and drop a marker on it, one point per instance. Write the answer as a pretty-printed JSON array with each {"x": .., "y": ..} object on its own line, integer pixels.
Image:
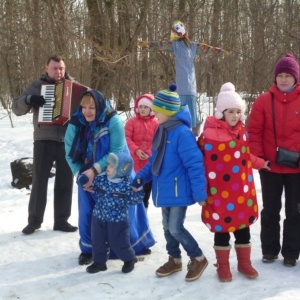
[{"x": 231, "y": 205}]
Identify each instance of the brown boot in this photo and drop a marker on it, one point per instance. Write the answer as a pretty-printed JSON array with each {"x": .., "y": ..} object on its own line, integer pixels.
[
  {"x": 172, "y": 266},
  {"x": 223, "y": 269},
  {"x": 243, "y": 252},
  {"x": 196, "y": 266}
]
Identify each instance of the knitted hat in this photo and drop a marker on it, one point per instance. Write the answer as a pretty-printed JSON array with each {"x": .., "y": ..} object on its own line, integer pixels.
[
  {"x": 167, "y": 102},
  {"x": 287, "y": 64},
  {"x": 145, "y": 99},
  {"x": 122, "y": 162},
  {"x": 228, "y": 98}
]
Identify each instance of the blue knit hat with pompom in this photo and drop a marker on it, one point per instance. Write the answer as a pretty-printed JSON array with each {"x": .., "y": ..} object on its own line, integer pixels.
[{"x": 167, "y": 102}]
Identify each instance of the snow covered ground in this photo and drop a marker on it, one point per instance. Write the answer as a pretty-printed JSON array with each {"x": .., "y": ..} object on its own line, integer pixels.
[{"x": 44, "y": 265}]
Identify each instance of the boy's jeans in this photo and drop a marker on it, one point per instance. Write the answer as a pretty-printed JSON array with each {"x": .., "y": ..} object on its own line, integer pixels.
[{"x": 175, "y": 233}]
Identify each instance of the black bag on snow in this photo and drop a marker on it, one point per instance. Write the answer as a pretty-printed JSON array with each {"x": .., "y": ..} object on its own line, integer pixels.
[{"x": 21, "y": 170}]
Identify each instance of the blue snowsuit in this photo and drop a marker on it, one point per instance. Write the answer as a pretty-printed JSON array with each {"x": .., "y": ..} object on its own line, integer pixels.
[{"x": 110, "y": 224}]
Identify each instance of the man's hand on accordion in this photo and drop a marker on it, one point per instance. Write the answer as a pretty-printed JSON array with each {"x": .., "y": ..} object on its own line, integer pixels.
[{"x": 36, "y": 100}]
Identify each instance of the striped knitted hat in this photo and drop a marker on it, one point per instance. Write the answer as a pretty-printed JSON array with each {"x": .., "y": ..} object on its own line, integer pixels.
[{"x": 167, "y": 102}]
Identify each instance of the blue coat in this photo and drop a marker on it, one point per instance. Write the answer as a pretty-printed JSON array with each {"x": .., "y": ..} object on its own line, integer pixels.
[
  {"x": 113, "y": 197},
  {"x": 181, "y": 181},
  {"x": 108, "y": 136}
]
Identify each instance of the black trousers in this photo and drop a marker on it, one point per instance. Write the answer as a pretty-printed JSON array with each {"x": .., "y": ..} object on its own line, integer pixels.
[
  {"x": 44, "y": 155},
  {"x": 242, "y": 236},
  {"x": 273, "y": 185}
]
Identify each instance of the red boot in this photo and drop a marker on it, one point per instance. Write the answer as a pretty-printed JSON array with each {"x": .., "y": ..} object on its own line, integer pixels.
[
  {"x": 223, "y": 269},
  {"x": 243, "y": 252}
]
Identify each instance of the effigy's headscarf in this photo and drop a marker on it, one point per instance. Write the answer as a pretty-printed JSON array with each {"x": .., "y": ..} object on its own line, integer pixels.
[{"x": 178, "y": 32}]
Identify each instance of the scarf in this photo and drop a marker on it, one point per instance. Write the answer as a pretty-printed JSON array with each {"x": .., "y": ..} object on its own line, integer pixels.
[
  {"x": 85, "y": 134},
  {"x": 159, "y": 142}
]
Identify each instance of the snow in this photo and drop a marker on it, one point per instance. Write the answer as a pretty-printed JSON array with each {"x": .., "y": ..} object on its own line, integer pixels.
[{"x": 44, "y": 265}]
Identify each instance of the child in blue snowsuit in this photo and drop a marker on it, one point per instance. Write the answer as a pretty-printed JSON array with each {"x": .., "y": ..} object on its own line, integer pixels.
[{"x": 110, "y": 225}]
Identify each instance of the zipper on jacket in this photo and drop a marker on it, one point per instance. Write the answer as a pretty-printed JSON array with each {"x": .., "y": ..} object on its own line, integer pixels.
[{"x": 176, "y": 187}]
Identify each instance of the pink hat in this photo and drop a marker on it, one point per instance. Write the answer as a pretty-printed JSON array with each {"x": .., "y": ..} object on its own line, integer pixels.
[
  {"x": 287, "y": 64},
  {"x": 144, "y": 99},
  {"x": 228, "y": 98}
]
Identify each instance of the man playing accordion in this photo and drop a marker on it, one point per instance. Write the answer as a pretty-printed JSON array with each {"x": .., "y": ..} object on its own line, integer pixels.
[{"x": 48, "y": 148}]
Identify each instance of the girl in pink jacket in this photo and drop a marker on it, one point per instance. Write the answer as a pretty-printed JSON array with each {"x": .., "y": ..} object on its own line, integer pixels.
[
  {"x": 231, "y": 205},
  {"x": 139, "y": 131}
]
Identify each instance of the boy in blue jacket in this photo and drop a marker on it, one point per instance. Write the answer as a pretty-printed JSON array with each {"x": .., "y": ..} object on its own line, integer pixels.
[{"x": 178, "y": 180}]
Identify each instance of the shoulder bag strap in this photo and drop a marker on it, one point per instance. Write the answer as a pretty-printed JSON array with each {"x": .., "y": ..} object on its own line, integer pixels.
[{"x": 273, "y": 118}]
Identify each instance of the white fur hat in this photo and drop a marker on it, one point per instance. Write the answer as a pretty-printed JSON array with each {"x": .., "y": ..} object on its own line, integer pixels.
[{"x": 228, "y": 98}]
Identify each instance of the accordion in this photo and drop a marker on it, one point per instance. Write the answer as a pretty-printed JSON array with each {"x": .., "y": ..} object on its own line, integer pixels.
[{"x": 62, "y": 99}]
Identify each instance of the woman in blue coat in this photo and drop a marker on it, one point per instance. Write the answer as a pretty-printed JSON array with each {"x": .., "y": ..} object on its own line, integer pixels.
[{"x": 94, "y": 131}]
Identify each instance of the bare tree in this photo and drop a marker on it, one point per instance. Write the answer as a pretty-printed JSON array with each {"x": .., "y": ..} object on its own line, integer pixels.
[{"x": 99, "y": 40}]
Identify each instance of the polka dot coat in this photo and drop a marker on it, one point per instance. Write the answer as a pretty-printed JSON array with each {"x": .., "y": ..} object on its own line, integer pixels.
[{"x": 231, "y": 204}]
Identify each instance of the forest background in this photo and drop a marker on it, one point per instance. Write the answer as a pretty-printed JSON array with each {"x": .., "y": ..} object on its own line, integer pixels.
[{"x": 99, "y": 40}]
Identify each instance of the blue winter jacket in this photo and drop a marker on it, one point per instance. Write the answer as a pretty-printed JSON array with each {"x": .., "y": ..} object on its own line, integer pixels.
[
  {"x": 114, "y": 196},
  {"x": 181, "y": 181},
  {"x": 99, "y": 138}
]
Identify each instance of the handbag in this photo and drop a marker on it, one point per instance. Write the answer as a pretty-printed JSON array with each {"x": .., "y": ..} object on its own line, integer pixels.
[
  {"x": 287, "y": 158},
  {"x": 21, "y": 171},
  {"x": 284, "y": 157}
]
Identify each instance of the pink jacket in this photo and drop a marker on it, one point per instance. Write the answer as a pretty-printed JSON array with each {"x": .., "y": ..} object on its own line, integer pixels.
[{"x": 139, "y": 132}]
